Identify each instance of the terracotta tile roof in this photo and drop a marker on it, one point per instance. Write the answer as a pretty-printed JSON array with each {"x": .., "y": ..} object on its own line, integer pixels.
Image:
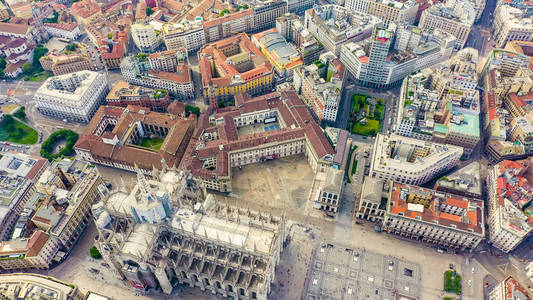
[
  {"x": 37, "y": 242},
  {"x": 453, "y": 201},
  {"x": 228, "y": 18},
  {"x": 182, "y": 74},
  {"x": 36, "y": 167},
  {"x": 214, "y": 52},
  {"x": 14, "y": 43},
  {"x": 469, "y": 219},
  {"x": 13, "y": 28},
  {"x": 64, "y": 26},
  {"x": 12, "y": 68},
  {"x": 29, "y": 48},
  {"x": 511, "y": 184},
  {"x": 117, "y": 51},
  {"x": 299, "y": 124},
  {"x": 199, "y": 9},
  {"x": 176, "y": 108},
  {"x": 514, "y": 290},
  {"x": 177, "y": 139},
  {"x": 85, "y": 8},
  {"x": 520, "y": 100},
  {"x": 171, "y": 52}
]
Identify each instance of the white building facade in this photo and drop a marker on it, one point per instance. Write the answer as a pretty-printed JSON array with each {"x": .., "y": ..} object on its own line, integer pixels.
[{"x": 74, "y": 97}]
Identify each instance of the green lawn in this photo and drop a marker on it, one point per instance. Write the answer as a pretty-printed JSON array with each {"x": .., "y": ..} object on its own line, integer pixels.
[
  {"x": 452, "y": 282},
  {"x": 360, "y": 102},
  {"x": 370, "y": 129},
  {"x": 39, "y": 77},
  {"x": 354, "y": 166},
  {"x": 153, "y": 143},
  {"x": 16, "y": 132},
  {"x": 357, "y": 101}
]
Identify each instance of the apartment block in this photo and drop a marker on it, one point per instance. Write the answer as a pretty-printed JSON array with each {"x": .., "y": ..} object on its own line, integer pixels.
[
  {"x": 523, "y": 5},
  {"x": 299, "y": 6},
  {"x": 185, "y": 34},
  {"x": 465, "y": 182},
  {"x": 454, "y": 17},
  {"x": 69, "y": 31},
  {"x": 334, "y": 25},
  {"x": 16, "y": 285},
  {"x": 169, "y": 60},
  {"x": 434, "y": 217},
  {"x": 522, "y": 132},
  {"x": 20, "y": 173},
  {"x": 54, "y": 217},
  {"x": 411, "y": 161},
  {"x": 390, "y": 11},
  {"x": 510, "y": 25},
  {"x": 232, "y": 66},
  {"x": 479, "y": 7},
  {"x": 74, "y": 97},
  {"x": 293, "y": 30},
  {"x": 228, "y": 25},
  {"x": 374, "y": 62},
  {"x": 372, "y": 203},
  {"x": 518, "y": 105},
  {"x": 320, "y": 85},
  {"x": 448, "y": 115},
  {"x": 145, "y": 37},
  {"x": 124, "y": 94},
  {"x": 509, "y": 289},
  {"x": 266, "y": 13},
  {"x": 498, "y": 150},
  {"x": 61, "y": 64},
  {"x": 137, "y": 70},
  {"x": 509, "y": 199},
  {"x": 241, "y": 247},
  {"x": 507, "y": 71}
]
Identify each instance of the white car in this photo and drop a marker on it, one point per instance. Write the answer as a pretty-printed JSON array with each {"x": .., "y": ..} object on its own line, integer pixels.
[
  {"x": 470, "y": 282},
  {"x": 473, "y": 270}
]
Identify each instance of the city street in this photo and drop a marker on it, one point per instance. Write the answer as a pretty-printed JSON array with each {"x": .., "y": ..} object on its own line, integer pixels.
[{"x": 480, "y": 32}]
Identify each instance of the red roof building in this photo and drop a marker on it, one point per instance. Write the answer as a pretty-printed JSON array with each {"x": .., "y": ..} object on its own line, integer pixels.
[{"x": 221, "y": 142}]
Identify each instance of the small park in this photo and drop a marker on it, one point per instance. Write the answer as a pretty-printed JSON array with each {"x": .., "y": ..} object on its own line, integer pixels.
[
  {"x": 452, "y": 282},
  {"x": 12, "y": 129},
  {"x": 59, "y": 144},
  {"x": 366, "y": 115}
]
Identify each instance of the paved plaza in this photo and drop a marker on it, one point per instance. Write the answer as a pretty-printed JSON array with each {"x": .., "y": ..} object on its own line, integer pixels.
[
  {"x": 282, "y": 183},
  {"x": 339, "y": 272}
]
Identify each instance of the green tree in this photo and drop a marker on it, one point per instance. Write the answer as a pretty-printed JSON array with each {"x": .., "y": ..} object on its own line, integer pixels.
[
  {"x": 149, "y": 11},
  {"x": 52, "y": 19},
  {"x": 2, "y": 63},
  {"x": 27, "y": 68},
  {"x": 21, "y": 113},
  {"x": 95, "y": 253},
  {"x": 71, "y": 47},
  {"x": 39, "y": 52},
  {"x": 224, "y": 12},
  {"x": 48, "y": 145},
  {"x": 192, "y": 109}
]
